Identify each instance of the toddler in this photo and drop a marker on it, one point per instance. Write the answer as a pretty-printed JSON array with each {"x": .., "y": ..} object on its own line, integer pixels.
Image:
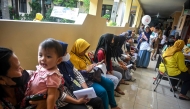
[{"x": 47, "y": 78}]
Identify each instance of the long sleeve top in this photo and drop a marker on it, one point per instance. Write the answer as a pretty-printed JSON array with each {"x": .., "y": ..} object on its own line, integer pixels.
[{"x": 175, "y": 64}]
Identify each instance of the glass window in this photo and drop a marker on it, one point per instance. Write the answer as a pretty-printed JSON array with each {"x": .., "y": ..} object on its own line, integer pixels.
[
  {"x": 106, "y": 9},
  {"x": 23, "y": 6}
]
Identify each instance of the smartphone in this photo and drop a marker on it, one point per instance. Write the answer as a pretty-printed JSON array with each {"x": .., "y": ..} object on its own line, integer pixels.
[{"x": 37, "y": 97}]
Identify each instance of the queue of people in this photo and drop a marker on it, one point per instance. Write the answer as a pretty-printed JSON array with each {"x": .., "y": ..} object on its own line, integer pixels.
[{"x": 59, "y": 73}]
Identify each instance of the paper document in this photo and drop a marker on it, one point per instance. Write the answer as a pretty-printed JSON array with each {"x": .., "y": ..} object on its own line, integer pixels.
[
  {"x": 89, "y": 92},
  {"x": 103, "y": 68}
]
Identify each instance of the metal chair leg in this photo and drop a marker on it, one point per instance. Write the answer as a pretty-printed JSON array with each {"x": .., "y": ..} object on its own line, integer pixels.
[{"x": 158, "y": 83}]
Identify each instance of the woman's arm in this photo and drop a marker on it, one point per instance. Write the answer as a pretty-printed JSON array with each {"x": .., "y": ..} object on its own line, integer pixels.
[
  {"x": 51, "y": 98},
  {"x": 181, "y": 62}
]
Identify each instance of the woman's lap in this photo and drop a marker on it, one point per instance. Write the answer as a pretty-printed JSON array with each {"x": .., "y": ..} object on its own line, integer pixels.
[{"x": 74, "y": 106}]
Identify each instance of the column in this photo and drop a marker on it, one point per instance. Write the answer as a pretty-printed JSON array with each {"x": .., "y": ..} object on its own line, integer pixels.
[
  {"x": 139, "y": 18},
  {"x": 136, "y": 15},
  {"x": 96, "y": 7},
  {"x": 128, "y": 4}
]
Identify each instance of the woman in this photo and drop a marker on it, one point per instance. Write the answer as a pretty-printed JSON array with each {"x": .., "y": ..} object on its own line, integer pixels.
[
  {"x": 175, "y": 64},
  {"x": 117, "y": 63},
  {"x": 13, "y": 81},
  {"x": 75, "y": 81},
  {"x": 164, "y": 39},
  {"x": 103, "y": 89},
  {"x": 104, "y": 51},
  {"x": 144, "y": 54}
]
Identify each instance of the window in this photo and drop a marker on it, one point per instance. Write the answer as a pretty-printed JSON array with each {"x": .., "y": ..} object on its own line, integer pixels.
[
  {"x": 23, "y": 6},
  {"x": 106, "y": 9}
]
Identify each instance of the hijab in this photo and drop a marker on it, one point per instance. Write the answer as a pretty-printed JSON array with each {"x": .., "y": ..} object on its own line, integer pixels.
[
  {"x": 129, "y": 32},
  {"x": 122, "y": 40},
  {"x": 114, "y": 48},
  {"x": 66, "y": 68},
  {"x": 178, "y": 46},
  {"x": 105, "y": 43},
  {"x": 80, "y": 62}
]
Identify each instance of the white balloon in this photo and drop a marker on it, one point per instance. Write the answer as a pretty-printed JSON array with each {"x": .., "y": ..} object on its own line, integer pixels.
[{"x": 146, "y": 19}]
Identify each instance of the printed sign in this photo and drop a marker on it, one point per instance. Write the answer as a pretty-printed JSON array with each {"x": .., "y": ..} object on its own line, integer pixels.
[{"x": 65, "y": 12}]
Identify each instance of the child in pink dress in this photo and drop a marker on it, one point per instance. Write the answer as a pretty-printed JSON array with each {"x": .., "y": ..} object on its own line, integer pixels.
[{"x": 47, "y": 78}]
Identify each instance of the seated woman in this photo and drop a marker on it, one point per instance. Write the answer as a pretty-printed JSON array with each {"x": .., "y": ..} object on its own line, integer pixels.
[
  {"x": 75, "y": 81},
  {"x": 13, "y": 82},
  {"x": 118, "y": 64},
  {"x": 104, "y": 51},
  {"x": 175, "y": 64},
  {"x": 103, "y": 89}
]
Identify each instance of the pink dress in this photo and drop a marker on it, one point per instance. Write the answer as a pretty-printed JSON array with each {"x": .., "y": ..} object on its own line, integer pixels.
[{"x": 42, "y": 79}]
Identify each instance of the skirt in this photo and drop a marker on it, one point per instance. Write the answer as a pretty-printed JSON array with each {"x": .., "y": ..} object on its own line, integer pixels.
[{"x": 144, "y": 58}]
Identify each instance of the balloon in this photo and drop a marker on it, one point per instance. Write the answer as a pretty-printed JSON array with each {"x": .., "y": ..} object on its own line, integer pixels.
[{"x": 146, "y": 19}]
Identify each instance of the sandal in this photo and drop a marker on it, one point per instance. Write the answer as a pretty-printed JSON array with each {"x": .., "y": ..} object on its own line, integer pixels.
[
  {"x": 182, "y": 98},
  {"x": 120, "y": 92},
  {"x": 124, "y": 82},
  {"x": 116, "y": 94}
]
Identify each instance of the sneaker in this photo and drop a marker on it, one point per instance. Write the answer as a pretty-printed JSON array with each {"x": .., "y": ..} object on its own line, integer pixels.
[{"x": 133, "y": 79}]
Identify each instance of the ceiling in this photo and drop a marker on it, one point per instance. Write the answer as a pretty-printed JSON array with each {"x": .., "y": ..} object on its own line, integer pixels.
[{"x": 165, "y": 8}]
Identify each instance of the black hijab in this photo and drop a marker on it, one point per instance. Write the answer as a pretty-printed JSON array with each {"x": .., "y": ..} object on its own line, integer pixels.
[
  {"x": 121, "y": 42},
  {"x": 105, "y": 43},
  {"x": 115, "y": 47}
]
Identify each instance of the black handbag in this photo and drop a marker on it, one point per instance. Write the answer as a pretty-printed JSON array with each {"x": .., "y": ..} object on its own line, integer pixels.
[{"x": 95, "y": 75}]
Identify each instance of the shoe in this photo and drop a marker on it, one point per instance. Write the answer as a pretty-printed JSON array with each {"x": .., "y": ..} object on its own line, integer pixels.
[{"x": 172, "y": 90}]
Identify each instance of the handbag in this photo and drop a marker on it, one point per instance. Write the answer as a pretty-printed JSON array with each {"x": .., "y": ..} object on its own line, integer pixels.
[{"x": 95, "y": 75}]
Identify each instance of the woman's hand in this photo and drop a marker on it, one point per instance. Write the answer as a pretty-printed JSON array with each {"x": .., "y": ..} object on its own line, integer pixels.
[
  {"x": 90, "y": 67},
  {"x": 83, "y": 100}
]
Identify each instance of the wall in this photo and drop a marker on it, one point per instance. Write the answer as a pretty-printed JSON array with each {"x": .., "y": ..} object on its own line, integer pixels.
[
  {"x": 176, "y": 17},
  {"x": 24, "y": 37},
  {"x": 108, "y": 2}
]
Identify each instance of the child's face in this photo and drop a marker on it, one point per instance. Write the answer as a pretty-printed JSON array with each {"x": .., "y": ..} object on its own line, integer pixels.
[
  {"x": 48, "y": 58},
  {"x": 130, "y": 40}
]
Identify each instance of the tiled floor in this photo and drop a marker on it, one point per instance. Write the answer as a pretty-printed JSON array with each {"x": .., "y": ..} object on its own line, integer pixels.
[{"x": 140, "y": 94}]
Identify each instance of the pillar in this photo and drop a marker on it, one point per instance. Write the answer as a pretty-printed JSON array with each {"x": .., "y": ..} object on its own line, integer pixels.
[
  {"x": 136, "y": 15},
  {"x": 139, "y": 18},
  {"x": 96, "y": 7},
  {"x": 128, "y": 4}
]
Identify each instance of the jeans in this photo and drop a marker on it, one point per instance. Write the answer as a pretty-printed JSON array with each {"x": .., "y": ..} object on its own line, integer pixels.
[
  {"x": 185, "y": 77},
  {"x": 114, "y": 79},
  {"x": 105, "y": 90}
]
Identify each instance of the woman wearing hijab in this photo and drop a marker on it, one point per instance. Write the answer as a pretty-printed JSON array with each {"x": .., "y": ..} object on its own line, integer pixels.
[
  {"x": 104, "y": 51},
  {"x": 103, "y": 89},
  {"x": 75, "y": 81},
  {"x": 117, "y": 63},
  {"x": 175, "y": 64},
  {"x": 144, "y": 53}
]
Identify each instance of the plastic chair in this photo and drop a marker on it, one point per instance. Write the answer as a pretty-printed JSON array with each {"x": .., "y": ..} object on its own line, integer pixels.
[{"x": 161, "y": 75}]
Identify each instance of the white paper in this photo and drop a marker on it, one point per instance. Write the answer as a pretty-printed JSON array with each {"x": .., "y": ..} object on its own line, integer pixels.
[
  {"x": 89, "y": 92},
  {"x": 103, "y": 68}
]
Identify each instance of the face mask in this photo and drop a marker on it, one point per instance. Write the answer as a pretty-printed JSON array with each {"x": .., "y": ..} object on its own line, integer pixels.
[
  {"x": 112, "y": 44},
  {"x": 67, "y": 57},
  {"x": 188, "y": 45},
  {"x": 21, "y": 81}
]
